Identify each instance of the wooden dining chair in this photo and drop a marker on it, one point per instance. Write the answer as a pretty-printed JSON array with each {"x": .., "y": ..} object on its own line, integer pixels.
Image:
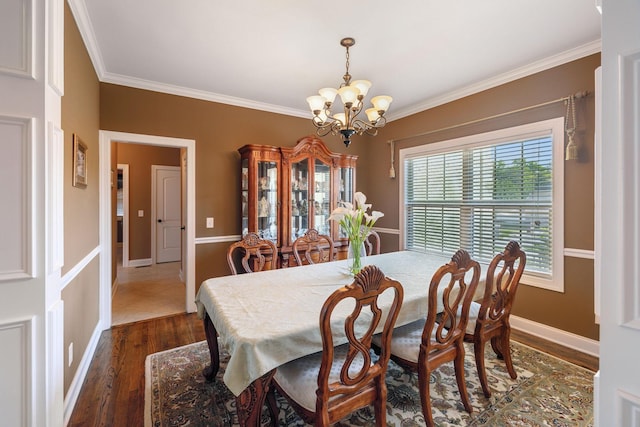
[
  {"x": 329, "y": 385},
  {"x": 315, "y": 247},
  {"x": 253, "y": 253},
  {"x": 425, "y": 344},
  {"x": 372, "y": 243},
  {"x": 489, "y": 319}
]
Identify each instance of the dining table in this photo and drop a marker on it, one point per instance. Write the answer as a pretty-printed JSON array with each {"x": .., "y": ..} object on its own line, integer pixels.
[{"x": 266, "y": 319}]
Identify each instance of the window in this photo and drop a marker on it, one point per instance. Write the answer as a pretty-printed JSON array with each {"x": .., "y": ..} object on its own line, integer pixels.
[{"x": 481, "y": 191}]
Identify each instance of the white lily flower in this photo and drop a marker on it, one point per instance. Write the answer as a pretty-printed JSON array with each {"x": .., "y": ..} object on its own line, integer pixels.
[
  {"x": 339, "y": 213},
  {"x": 354, "y": 219}
]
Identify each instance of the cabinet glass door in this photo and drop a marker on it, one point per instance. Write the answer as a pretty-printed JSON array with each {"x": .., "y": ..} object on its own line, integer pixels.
[
  {"x": 322, "y": 197},
  {"x": 245, "y": 196},
  {"x": 267, "y": 200},
  {"x": 346, "y": 190},
  {"x": 299, "y": 198}
]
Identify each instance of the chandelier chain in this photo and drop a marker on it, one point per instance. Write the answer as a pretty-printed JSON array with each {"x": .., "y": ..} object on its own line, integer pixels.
[{"x": 347, "y": 76}]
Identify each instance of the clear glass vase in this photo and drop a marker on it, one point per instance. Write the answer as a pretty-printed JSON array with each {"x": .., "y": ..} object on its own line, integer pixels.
[{"x": 355, "y": 254}]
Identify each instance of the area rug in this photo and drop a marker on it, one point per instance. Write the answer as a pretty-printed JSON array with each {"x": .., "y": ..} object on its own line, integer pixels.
[{"x": 547, "y": 392}]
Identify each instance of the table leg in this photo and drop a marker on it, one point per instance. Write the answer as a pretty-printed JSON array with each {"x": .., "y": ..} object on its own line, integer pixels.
[
  {"x": 249, "y": 403},
  {"x": 210, "y": 371}
]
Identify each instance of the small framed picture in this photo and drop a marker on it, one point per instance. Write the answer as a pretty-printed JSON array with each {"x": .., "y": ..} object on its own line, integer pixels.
[{"x": 79, "y": 162}]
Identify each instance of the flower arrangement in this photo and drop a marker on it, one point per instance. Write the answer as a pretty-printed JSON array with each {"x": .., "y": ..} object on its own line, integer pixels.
[{"x": 357, "y": 224}]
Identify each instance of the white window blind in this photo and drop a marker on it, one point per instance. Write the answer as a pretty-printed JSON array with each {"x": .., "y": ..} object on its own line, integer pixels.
[{"x": 479, "y": 195}]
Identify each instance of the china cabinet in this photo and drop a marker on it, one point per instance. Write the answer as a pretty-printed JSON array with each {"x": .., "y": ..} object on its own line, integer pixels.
[
  {"x": 288, "y": 190},
  {"x": 260, "y": 191}
]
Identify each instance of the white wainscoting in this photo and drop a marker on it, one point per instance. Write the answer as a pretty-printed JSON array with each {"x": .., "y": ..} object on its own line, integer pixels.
[
  {"x": 16, "y": 192},
  {"x": 16, "y": 371},
  {"x": 17, "y": 26}
]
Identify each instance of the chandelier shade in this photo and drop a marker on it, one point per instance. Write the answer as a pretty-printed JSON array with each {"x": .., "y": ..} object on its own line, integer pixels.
[{"x": 348, "y": 121}]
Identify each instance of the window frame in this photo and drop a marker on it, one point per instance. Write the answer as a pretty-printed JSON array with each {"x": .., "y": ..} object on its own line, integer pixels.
[{"x": 551, "y": 127}]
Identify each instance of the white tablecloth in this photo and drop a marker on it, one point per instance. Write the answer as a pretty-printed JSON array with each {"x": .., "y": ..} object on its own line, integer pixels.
[{"x": 269, "y": 318}]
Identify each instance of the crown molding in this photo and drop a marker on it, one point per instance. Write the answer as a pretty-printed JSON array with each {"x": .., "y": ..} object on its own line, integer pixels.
[
  {"x": 200, "y": 94},
  {"x": 535, "y": 67},
  {"x": 81, "y": 15}
]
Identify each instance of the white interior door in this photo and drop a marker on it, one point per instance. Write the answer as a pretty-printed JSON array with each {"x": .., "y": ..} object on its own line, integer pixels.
[
  {"x": 168, "y": 211},
  {"x": 617, "y": 400}
]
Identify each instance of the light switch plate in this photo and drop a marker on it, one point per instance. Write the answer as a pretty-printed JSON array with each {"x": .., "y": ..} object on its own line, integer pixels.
[
  {"x": 140, "y": 213},
  {"x": 210, "y": 222}
]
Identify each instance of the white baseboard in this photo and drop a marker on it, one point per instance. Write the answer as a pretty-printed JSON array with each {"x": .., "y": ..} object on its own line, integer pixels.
[
  {"x": 78, "y": 379},
  {"x": 558, "y": 336},
  {"x": 144, "y": 262}
]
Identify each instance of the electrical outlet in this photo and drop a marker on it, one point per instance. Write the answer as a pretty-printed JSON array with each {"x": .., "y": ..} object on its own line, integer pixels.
[
  {"x": 209, "y": 222},
  {"x": 70, "y": 356},
  {"x": 140, "y": 213}
]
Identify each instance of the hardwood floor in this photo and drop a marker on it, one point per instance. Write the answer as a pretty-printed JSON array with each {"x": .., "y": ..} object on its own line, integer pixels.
[{"x": 113, "y": 392}]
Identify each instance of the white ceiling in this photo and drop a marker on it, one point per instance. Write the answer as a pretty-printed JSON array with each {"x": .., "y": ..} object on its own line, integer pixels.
[{"x": 271, "y": 55}]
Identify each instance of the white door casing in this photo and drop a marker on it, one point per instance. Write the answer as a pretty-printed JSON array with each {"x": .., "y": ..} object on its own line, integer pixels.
[
  {"x": 166, "y": 213},
  {"x": 106, "y": 138},
  {"x": 617, "y": 398}
]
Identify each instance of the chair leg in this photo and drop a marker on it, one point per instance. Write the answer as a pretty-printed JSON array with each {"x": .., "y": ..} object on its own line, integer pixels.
[
  {"x": 380, "y": 405},
  {"x": 506, "y": 353},
  {"x": 425, "y": 397},
  {"x": 462, "y": 385},
  {"x": 272, "y": 405},
  {"x": 495, "y": 345},
  {"x": 478, "y": 348}
]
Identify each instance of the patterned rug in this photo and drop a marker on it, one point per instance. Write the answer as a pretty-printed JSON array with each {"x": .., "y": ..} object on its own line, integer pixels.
[{"x": 547, "y": 392}]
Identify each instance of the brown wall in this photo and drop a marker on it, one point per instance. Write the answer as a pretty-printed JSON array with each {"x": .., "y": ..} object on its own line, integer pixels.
[
  {"x": 572, "y": 310},
  {"x": 80, "y": 115},
  {"x": 140, "y": 158}
]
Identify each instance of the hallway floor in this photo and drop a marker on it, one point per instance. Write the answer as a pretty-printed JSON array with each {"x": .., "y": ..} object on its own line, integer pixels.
[{"x": 147, "y": 292}]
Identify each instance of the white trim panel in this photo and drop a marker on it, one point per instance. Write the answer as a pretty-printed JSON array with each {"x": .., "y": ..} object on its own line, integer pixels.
[
  {"x": 629, "y": 405},
  {"x": 16, "y": 32},
  {"x": 56, "y": 46},
  {"x": 55, "y": 198},
  {"x": 579, "y": 253},
  {"x": 387, "y": 230},
  {"x": 217, "y": 239},
  {"x": 17, "y": 366},
  {"x": 16, "y": 192},
  {"x": 125, "y": 213},
  {"x": 142, "y": 262},
  {"x": 558, "y": 336},
  {"x": 71, "y": 274},
  {"x": 55, "y": 362},
  {"x": 630, "y": 137}
]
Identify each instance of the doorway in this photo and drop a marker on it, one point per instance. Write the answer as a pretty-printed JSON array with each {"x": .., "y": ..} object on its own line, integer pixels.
[{"x": 187, "y": 146}]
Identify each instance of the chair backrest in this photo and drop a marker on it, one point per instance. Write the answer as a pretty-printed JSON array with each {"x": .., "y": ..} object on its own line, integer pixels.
[
  {"x": 503, "y": 276},
  {"x": 358, "y": 374},
  {"x": 372, "y": 243},
  {"x": 316, "y": 248},
  {"x": 456, "y": 281},
  {"x": 255, "y": 254}
]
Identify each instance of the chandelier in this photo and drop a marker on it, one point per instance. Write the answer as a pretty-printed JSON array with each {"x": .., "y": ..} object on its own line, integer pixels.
[{"x": 352, "y": 93}]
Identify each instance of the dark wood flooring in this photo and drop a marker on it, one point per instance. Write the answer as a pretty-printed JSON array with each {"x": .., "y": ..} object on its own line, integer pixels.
[{"x": 113, "y": 391}]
